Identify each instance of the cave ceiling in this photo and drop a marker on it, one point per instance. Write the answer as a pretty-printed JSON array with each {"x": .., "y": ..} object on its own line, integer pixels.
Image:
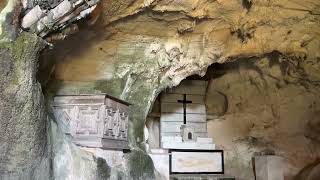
[{"x": 192, "y": 34}]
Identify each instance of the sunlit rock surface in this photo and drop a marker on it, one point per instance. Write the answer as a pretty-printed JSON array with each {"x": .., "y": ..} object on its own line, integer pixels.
[
  {"x": 135, "y": 49},
  {"x": 268, "y": 108}
]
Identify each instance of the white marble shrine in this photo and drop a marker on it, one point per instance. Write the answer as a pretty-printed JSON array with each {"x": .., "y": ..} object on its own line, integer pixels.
[{"x": 185, "y": 147}]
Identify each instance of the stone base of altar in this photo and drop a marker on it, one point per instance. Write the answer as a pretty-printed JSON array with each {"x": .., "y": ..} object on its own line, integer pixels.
[{"x": 200, "y": 177}]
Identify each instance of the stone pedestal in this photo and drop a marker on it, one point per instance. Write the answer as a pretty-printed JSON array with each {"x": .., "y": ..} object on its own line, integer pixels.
[
  {"x": 176, "y": 142},
  {"x": 201, "y": 177},
  {"x": 268, "y": 167},
  {"x": 160, "y": 158}
]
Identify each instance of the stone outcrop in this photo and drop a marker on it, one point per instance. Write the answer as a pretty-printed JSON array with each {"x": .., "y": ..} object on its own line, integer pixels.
[
  {"x": 138, "y": 48},
  {"x": 269, "y": 108},
  {"x": 23, "y": 122}
]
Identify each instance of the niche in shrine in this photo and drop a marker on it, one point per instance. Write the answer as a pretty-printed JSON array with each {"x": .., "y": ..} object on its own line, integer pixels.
[{"x": 93, "y": 120}]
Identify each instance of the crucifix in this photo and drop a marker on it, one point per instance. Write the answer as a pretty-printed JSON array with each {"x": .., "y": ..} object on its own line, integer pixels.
[{"x": 184, "y": 102}]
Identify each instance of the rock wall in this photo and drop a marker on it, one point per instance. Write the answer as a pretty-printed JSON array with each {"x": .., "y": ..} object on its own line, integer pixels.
[
  {"x": 138, "y": 48},
  {"x": 269, "y": 108},
  {"x": 23, "y": 131}
]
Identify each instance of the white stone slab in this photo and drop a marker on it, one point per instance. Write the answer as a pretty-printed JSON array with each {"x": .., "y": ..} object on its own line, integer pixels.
[
  {"x": 159, "y": 151},
  {"x": 199, "y": 134},
  {"x": 196, "y": 162},
  {"x": 187, "y": 145},
  {"x": 173, "y": 98},
  {"x": 161, "y": 164},
  {"x": 269, "y": 167},
  {"x": 178, "y": 117},
  {"x": 171, "y": 139},
  {"x": 175, "y": 127},
  {"x": 203, "y": 140},
  {"x": 178, "y": 108}
]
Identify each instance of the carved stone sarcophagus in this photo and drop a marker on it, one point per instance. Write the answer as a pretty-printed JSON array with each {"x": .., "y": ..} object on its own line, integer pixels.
[{"x": 93, "y": 120}]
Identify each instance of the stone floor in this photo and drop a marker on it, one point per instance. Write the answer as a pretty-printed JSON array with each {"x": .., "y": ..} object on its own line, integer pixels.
[{"x": 200, "y": 177}]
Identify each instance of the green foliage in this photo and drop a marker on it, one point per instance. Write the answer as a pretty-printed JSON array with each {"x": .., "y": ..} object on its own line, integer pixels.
[{"x": 24, "y": 48}]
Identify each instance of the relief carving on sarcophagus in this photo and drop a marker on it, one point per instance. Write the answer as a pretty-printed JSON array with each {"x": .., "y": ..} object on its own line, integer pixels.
[
  {"x": 109, "y": 123},
  {"x": 116, "y": 124},
  {"x": 123, "y": 125},
  {"x": 93, "y": 120},
  {"x": 90, "y": 120}
]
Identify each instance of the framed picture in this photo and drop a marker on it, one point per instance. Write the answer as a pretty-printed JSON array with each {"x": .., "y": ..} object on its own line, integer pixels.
[{"x": 191, "y": 161}]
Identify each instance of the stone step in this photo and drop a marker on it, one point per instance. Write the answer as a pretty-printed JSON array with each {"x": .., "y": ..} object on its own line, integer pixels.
[
  {"x": 175, "y": 127},
  {"x": 175, "y": 117},
  {"x": 187, "y": 145},
  {"x": 200, "y": 177},
  {"x": 178, "y": 108}
]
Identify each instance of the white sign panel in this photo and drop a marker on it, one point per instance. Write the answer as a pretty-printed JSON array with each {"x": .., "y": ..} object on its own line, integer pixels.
[{"x": 196, "y": 161}]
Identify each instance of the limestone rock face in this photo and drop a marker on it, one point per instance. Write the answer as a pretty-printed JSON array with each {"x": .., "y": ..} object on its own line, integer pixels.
[
  {"x": 216, "y": 103},
  {"x": 138, "y": 48},
  {"x": 22, "y": 113},
  {"x": 269, "y": 107}
]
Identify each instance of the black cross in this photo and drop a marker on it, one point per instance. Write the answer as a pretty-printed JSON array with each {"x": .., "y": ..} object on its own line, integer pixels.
[{"x": 185, "y": 102}]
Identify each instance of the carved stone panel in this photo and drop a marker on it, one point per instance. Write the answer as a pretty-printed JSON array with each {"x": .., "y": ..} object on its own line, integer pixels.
[{"x": 93, "y": 120}]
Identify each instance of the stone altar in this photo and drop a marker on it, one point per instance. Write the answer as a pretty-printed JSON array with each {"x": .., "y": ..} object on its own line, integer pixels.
[
  {"x": 93, "y": 120},
  {"x": 183, "y": 123},
  {"x": 183, "y": 134}
]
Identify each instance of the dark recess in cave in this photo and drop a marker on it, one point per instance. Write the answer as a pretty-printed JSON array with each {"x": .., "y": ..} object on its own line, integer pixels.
[
  {"x": 217, "y": 70},
  {"x": 247, "y": 4}
]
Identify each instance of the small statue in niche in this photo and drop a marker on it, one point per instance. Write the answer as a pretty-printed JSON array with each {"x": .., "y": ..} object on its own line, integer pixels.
[{"x": 187, "y": 133}]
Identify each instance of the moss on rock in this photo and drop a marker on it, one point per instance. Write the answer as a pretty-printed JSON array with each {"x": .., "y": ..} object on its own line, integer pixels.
[
  {"x": 22, "y": 122},
  {"x": 140, "y": 165},
  {"x": 103, "y": 169}
]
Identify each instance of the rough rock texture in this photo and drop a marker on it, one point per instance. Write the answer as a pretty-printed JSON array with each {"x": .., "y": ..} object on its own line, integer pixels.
[
  {"x": 138, "y": 48},
  {"x": 270, "y": 107},
  {"x": 310, "y": 172},
  {"x": 23, "y": 131}
]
